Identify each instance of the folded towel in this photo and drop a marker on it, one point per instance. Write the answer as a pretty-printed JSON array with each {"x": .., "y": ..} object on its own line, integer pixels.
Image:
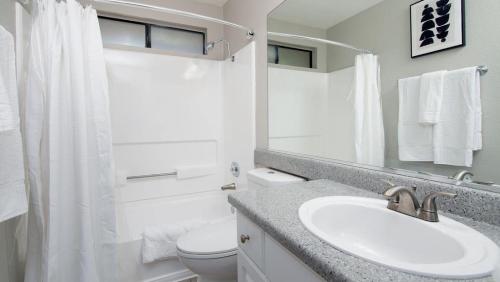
[
  {"x": 13, "y": 200},
  {"x": 431, "y": 97},
  {"x": 160, "y": 242},
  {"x": 458, "y": 131},
  {"x": 415, "y": 139},
  {"x": 9, "y": 117}
]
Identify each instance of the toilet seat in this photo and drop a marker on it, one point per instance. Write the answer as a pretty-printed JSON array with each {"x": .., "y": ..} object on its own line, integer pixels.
[{"x": 217, "y": 240}]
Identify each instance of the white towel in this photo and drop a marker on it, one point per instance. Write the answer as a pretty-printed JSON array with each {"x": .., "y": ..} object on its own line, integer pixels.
[
  {"x": 160, "y": 242},
  {"x": 458, "y": 131},
  {"x": 13, "y": 201},
  {"x": 8, "y": 88},
  {"x": 415, "y": 139},
  {"x": 431, "y": 97}
]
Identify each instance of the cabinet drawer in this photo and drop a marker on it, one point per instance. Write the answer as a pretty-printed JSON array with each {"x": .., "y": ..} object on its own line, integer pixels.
[{"x": 253, "y": 246}]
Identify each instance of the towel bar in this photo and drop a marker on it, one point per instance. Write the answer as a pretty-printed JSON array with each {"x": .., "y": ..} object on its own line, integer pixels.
[{"x": 152, "y": 175}]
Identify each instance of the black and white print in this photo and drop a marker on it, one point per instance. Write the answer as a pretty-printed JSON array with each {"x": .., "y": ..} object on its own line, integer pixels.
[{"x": 436, "y": 25}]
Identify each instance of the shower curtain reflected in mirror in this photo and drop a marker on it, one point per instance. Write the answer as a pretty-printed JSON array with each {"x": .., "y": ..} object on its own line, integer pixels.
[
  {"x": 369, "y": 141},
  {"x": 71, "y": 230}
]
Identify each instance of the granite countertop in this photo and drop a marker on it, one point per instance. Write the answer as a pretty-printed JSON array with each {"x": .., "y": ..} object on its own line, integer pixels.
[{"x": 275, "y": 210}]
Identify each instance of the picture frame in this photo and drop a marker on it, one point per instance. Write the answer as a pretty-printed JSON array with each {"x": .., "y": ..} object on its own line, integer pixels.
[{"x": 436, "y": 26}]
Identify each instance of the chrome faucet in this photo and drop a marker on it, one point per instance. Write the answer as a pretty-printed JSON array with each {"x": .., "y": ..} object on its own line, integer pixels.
[{"x": 404, "y": 200}]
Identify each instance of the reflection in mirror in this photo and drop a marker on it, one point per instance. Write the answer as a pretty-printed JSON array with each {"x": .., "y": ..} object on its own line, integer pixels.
[{"x": 370, "y": 83}]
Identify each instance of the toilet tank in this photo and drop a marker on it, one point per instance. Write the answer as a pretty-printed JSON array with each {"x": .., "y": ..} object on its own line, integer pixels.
[{"x": 266, "y": 177}]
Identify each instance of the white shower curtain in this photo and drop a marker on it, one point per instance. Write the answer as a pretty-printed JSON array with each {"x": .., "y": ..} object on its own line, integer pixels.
[
  {"x": 71, "y": 230},
  {"x": 368, "y": 121}
]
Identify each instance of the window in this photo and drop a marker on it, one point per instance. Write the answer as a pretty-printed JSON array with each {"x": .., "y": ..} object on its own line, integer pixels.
[
  {"x": 146, "y": 35},
  {"x": 290, "y": 56}
]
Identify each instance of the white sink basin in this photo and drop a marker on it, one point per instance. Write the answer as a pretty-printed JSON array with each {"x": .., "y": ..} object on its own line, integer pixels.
[{"x": 365, "y": 228}]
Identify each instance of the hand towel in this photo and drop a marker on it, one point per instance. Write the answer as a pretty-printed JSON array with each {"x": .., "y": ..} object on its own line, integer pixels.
[
  {"x": 13, "y": 200},
  {"x": 160, "y": 242},
  {"x": 8, "y": 88},
  {"x": 458, "y": 131},
  {"x": 431, "y": 97},
  {"x": 415, "y": 139}
]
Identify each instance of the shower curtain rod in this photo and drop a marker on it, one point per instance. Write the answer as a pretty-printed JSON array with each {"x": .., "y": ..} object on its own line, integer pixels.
[
  {"x": 250, "y": 33},
  {"x": 335, "y": 43}
]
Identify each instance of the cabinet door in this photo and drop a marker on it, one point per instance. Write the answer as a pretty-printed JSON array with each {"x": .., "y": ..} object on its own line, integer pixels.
[
  {"x": 247, "y": 270},
  {"x": 253, "y": 246},
  {"x": 281, "y": 265}
]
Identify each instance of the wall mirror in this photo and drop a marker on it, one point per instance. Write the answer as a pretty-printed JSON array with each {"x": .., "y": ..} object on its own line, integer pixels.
[{"x": 389, "y": 84}]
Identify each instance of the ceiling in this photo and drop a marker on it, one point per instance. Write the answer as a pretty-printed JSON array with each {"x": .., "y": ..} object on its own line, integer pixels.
[
  {"x": 219, "y": 3},
  {"x": 320, "y": 13}
]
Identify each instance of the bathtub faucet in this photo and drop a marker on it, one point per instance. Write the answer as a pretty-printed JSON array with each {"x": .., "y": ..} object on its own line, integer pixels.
[{"x": 231, "y": 186}]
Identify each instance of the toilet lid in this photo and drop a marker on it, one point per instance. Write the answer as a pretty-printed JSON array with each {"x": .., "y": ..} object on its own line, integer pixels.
[{"x": 211, "y": 239}]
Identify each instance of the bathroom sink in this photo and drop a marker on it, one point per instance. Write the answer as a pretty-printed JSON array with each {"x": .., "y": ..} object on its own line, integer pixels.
[{"x": 365, "y": 228}]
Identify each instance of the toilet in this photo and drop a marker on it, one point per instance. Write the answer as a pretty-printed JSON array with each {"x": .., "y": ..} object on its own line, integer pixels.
[{"x": 210, "y": 251}]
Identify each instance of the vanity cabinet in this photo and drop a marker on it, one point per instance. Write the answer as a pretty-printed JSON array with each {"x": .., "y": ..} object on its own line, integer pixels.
[{"x": 263, "y": 259}]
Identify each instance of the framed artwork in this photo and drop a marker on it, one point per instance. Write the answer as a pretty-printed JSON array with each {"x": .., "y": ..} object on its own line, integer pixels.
[{"x": 436, "y": 25}]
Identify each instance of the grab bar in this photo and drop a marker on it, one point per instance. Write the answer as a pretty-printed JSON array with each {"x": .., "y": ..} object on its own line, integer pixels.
[{"x": 152, "y": 175}]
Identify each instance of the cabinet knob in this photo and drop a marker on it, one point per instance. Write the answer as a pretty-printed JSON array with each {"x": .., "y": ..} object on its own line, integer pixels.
[{"x": 244, "y": 238}]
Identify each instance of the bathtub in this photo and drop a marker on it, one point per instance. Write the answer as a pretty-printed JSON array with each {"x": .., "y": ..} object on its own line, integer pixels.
[{"x": 135, "y": 216}]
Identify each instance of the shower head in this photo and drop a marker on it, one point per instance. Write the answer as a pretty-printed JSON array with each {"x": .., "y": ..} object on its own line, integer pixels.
[{"x": 211, "y": 45}]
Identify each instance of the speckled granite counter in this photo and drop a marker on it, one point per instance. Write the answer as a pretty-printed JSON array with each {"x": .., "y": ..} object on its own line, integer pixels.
[{"x": 275, "y": 210}]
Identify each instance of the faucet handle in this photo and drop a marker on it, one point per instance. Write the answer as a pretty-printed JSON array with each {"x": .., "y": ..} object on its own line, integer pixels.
[{"x": 429, "y": 207}]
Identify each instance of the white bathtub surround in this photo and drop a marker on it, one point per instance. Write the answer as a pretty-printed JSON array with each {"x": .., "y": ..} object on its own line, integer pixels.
[
  {"x": 310, "y": 111},
  {"x": 159, "y": 241},
  {"x": 239, "y": 113},
  {"x": 186, "y": 172},
  {"x": 71, "y": 231},
  {"x": 13, "y": 201},
  {"x": 298, "y": 102},
  {"x": 172, "y": 113},
  {"x": 369, "y": 141}
]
